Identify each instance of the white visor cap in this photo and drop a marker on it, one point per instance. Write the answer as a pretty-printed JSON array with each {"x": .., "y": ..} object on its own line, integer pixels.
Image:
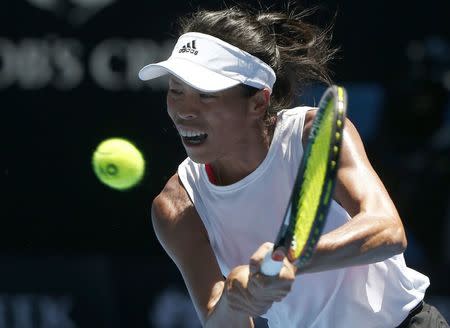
[{"x": 209, "y": 64}]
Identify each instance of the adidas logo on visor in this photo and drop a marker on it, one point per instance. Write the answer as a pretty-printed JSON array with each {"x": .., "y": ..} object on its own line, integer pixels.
[{"x": 187, "y": 48}]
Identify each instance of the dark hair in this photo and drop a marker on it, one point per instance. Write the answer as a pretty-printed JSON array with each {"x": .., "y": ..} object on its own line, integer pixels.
[{"x": 297, "y": 51}]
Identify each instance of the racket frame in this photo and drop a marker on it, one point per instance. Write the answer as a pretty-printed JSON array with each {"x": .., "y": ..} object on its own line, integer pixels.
[{"x": 285, "y": 237}]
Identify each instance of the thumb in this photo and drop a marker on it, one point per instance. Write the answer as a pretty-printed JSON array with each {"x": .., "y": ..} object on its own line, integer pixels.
[
  {"x": 279, "y": 254},
  {"x": 258, "y": 257}
]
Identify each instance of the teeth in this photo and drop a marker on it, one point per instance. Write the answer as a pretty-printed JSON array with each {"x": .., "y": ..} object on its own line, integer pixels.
[{"x": 188, "y": 133}]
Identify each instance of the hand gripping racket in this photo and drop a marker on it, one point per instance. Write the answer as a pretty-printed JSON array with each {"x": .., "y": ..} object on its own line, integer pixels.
[{"x": 308, "y": 206}]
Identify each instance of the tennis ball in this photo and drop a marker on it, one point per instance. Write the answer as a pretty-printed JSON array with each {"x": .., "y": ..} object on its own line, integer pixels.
[{"x": 118, "y": 163}]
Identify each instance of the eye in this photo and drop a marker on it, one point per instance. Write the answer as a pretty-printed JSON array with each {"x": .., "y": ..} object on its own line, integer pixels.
[
  {"x": 175, "y": 91},
  {"x": 207, "y": 95}
]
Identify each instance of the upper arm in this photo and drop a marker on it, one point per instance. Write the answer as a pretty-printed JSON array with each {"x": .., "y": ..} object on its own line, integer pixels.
[
  {"x": 181, "y": 233},
  {"x": 358, "y": 187}
]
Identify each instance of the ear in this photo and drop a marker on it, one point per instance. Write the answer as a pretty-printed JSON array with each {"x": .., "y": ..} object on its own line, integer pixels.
[{"x": 259, "y": 103}]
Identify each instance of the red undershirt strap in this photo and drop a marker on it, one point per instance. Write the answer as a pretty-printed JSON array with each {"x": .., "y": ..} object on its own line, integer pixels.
[{"x": 210, "y": 173}]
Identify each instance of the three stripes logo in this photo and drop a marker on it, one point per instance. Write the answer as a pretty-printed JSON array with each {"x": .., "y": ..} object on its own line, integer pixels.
[{"x": 189, "y": 48}]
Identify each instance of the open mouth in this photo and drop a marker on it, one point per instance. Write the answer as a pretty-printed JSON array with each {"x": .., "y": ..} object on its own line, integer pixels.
[
  {"x": 195, "y": 139},
  {"x": 190, "y": 137}
]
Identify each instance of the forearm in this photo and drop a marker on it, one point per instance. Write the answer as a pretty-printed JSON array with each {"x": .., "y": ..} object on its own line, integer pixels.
[
  {"x": 220, "y": 314},
  {"x": 360, "y": 241}
]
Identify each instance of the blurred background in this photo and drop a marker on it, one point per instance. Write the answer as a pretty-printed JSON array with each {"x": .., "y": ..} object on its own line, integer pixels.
[{"x": 75, "y": 253}]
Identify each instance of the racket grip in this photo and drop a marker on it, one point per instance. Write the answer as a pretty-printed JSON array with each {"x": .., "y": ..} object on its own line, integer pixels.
[{"x": 269, "y": 267}]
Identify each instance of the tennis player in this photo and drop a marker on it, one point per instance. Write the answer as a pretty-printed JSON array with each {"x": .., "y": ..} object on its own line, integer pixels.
[{"x": 232, "y": 75}]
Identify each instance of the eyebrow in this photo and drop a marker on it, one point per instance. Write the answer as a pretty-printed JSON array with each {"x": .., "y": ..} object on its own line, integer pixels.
[{"x": 173, "y": 80}]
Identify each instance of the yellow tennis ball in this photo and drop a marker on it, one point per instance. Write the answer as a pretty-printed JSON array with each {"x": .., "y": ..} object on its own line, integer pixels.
[{"x": 118, "y": 163}]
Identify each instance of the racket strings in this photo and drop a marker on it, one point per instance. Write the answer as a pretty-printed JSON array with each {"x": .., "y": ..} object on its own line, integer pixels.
[{"x": 314, "y": 178}]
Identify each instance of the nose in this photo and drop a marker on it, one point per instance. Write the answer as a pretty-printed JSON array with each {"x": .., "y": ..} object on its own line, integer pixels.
[
  {"x": 187, "y": 109},
  {"x": 186, "y": 114}
]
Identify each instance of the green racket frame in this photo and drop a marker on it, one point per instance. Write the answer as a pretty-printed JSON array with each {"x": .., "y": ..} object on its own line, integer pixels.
[{"x": 306, "y": 214}]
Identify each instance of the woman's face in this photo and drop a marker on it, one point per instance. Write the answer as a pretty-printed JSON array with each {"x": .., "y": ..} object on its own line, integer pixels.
[{"x": 212, "y": 126}]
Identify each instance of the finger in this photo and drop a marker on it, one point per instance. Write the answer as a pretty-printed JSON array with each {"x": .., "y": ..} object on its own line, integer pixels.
[
  {"x": 240, "y": 301},
  {"x": 271, "y": 294},
  {"x": 257, "y": 307},
  {"x": 279, "y": 254},
  {"x": 259, "y": 284},
  {"x": 288, "y": 271},
  {"x": 269, "y": 291},
  {"x": 262, "y": 307},
  {"x": 257, "y": 257},
  {"x": 259, "y": 281}
]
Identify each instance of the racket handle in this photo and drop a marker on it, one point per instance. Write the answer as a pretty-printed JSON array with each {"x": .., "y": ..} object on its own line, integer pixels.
[{"x": 269, "y": 267}]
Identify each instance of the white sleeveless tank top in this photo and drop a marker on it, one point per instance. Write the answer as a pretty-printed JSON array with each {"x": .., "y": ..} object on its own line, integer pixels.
[{"x": 242, "y": 216}]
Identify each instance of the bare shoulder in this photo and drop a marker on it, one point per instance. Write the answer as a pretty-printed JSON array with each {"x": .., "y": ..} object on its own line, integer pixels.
[
  {"x": 171, "y": 201},
  {"x": 309, "y": 119},
  {"x": 350, "y": 129},
  {"x": 175, "y": 219},
  {"x": 182, "y": 234}
]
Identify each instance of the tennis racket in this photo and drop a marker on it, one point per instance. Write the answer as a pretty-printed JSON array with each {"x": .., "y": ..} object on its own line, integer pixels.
[{"x": 310, "y": 201}]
